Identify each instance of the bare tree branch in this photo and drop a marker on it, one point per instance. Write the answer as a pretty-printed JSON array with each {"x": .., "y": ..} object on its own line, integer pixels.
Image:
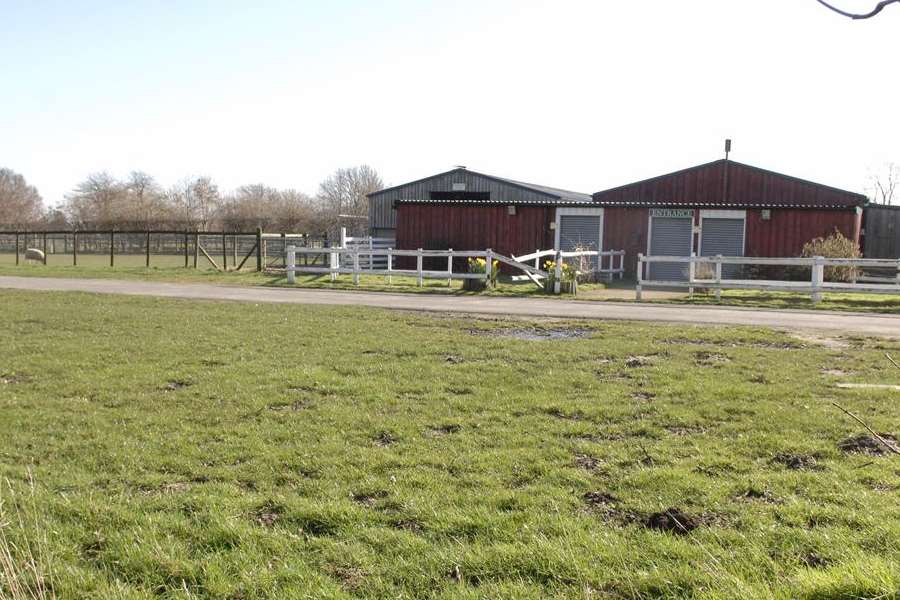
[
  {"x": 878, "y": 8},
  {"x": 884, "y": 442}
]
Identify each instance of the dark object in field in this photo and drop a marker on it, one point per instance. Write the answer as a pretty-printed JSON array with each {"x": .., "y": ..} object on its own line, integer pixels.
[
  {"x": 369, "y": 498},
  {"x": 867, "y": 444},
  {"x": 599, "y": 499},
  {"x": 632, "y": 362},
  {"x": 177, "y": 384},
  {"x": 752, "y": 493},
  {"x": 814, "y": 561},
  {"x": 11, "y": 378},
  {"x": 268, "y": 514},
  {"x": 672, "y": 519},
  {"x": 446, "y": 429},
  {"x": 797, "y": 461},
  {"x": 385, "y": 438},
  {"x": 587, "y": 462}
]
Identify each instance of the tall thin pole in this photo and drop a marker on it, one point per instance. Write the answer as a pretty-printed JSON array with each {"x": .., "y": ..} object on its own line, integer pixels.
[
  {"x": 148, "y": 249},
  {"x": 44, "y": 244},
  {"x": 17, "y": 248},
  {"x": 112, "y": 248},
  {"x": 74, "y": 248}
]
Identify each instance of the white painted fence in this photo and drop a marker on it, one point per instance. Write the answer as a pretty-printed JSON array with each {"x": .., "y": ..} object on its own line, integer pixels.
[
  {"x": 369, "y": 262},
  {"x": 616, "y": 262},
  {"x": 350, "y": 260},
  {"x": 816, "y": 285}
]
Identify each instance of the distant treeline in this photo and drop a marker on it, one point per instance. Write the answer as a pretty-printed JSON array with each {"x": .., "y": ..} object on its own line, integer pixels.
[{"x": 102, "y": 201}]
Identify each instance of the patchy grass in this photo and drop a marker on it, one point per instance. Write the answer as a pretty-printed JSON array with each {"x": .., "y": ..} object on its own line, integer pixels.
[
  {"x": 219, "y": 450},
  {"x": 876, "y": 303}
]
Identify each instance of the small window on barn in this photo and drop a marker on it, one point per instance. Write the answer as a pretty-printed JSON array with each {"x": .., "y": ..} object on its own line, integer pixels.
[{"x": 460, "y": 195}]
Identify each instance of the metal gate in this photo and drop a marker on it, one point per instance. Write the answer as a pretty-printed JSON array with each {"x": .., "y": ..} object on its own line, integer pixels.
[
  {"x": 725, "y": 237},
  {"x": 671, "y": 236},
  {"x": 580, "y": 232}
]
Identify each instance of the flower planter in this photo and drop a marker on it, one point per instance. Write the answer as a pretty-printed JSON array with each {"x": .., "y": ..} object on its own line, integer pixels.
[{"x": 565, "y": 287}]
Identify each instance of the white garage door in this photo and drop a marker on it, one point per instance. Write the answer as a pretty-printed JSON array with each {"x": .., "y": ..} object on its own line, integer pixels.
[
  {"x": 671, "y": 234},
  {"x": 723, "y": 236},
  {"x": 579, "y": 232}
]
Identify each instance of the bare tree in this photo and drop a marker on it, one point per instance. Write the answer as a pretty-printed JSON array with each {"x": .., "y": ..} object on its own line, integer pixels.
[
  {"x": 342, "y": 196},
  {"x": 98, "y": 201},
  {"x": 857, "y": 16},
  {"x": 195, "y": 202},
  {"x": 20, "y": 203},
  {"x": 146, "y": 203},
  {"x": 886, "y": 184}
]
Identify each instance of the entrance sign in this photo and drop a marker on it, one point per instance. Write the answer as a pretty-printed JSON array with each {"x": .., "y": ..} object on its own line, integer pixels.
[{"x": 672, "y": 213}]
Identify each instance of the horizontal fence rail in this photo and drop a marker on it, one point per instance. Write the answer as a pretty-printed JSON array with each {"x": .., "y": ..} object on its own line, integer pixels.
[
  {"x": 815, "y": 286},
  {"x": 359, "y": 260}
]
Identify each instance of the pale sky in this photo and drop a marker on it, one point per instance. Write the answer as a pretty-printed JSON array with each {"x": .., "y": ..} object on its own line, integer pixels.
[{"x": 583, "y": 95}]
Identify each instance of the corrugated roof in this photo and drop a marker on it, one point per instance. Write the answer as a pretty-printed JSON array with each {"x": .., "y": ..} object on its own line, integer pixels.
[
  {"x": 639, "y": 204},
  {"x": 553, "y": 194},
  {"x": 548, "y": 201}
]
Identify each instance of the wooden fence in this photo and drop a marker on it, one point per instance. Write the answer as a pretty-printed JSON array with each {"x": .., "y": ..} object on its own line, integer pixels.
[
  {"x": 815, "y": 286},
  {"x": 222, "y": 250}
]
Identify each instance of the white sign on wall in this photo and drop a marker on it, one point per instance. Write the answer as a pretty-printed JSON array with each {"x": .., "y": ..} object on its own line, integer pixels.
[{"x": 672, "y": 213}]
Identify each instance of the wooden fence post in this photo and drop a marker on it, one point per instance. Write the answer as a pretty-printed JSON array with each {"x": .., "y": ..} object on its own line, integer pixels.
[
  {"x": 75, "y": 248},
  {"x": 112, "y": 248},
  {"x": 225, "y": 252},
  {"x": 450, "y": 269},
  {"x": 718, "y": 277},
  {"x": 17, "y": 252},
  {"x": 234, "y": 244},
  {"x": 639, "y": 276},
  {"x": 818, "y": 278},
  {"x": 186, "y": 252},
  {"x": 259, "y": 242},
  {"x": 291, "y": 253},
  {"x": 390, "y": 264},
  {"x": 196, "y": 248},
  {"x": 419, "y": 267},
  {"x": 148, "y": 249},
  {"x": 557, "y": 273},
  {"x": 356, "y": 265},
  {"x": 44, "y": 243}
]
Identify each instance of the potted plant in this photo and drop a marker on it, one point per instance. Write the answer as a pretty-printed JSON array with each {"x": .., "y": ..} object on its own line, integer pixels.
[{"x": 479, "y": 265}]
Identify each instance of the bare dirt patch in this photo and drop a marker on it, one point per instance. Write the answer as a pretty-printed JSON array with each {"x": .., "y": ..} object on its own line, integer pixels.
[
  {"x": 446, "y": 429},
  {"x": 707, "y": 359},
  {"x": 370, "y": 497},
  {"x": 410, "y": 525},
  {"x": 821, "y": 340},
  {"x": 177, "y": 384},
  {"x": 752, "y": 494},
  {"x": 351, "y": 578},
  {"x": 587, "y": 462},
  {"x": 814, "y": 561},
  {"x": 385, "y": 438},
  {"x": 608, "y": 507},
  {"x": 834, "y": 372},
  {"x": 559, "y": 413},
  {"x": 268, "y": 514},
  {"x": 644, "y": 396},
  {"x": 867, "y": 444},
  {"x": 13, "y": 378},
  {"x": 797, "y": 462},
  {"x": 634, "y": 362},
  {"x": 673, "y": 520}
]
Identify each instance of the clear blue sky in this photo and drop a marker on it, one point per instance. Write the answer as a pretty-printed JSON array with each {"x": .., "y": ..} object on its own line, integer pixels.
[{"x": 578, "y": 94}]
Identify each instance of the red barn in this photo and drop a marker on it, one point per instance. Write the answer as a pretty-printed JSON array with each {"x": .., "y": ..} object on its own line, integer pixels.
[{"x": 723, "y": 207}]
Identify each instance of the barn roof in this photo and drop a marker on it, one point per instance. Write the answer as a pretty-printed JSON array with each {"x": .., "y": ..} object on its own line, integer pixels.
[
  {"x": 554, "y": 196},
  {"x": 729, "y": 184}
]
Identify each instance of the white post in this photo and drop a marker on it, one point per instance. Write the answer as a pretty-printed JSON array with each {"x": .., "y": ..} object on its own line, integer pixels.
[
  {"x": 622, "y": 265},
  {"x": 537, "y": 261},
  {"x": 898, "y": 271},
  {"x": 371, "y": 258},
  {"x": 718, "y": 277},
  {"x": 818, "y": 278},
  {"x": 450, "y": 269},
  {"x": 419, "y": 267},
  {"x": 488, "y": 267},
  {"x": 557, "y": 274},
  {"x": 291, "y": 264},
  {"x": 355, "y": 265},
  {"x": 390, "y": 265},
  {"x": 691, "y": 275},
  {"x": 334, "y": 260},
  {"x": 639, "y": 276},
  {"x": 343, "y": 237}
]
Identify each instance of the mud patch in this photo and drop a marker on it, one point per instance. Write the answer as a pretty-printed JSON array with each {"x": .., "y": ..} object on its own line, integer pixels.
[
  {"x": 447, "y": 429},
  {"x": 178, "y": 487},
  {"x": 707, "y": 359},
  {"x": 177, "y": 384},
  {"x": 13, "y": 378},
  {"x": 587, "y": 462},
  {"x": 673, "y": 520},
  {"x": 385, "y": 438},
  {"x": 643, "y": 396},
  {"x": 608, "y": 507},
  {"x": 814, "y": 561},
  {"x": 351, "y": 578},
  {"x": 634, "y": 362},
  {"x": 867, "y": 444},
  {"x": 798, "y": 462},
  {"x": 559, "y": 413},
  {"x": 752, "y": 494},
  {"x": 453, "y": 359},
  {"x": 369, "y": 498},
  {"x": 535, "y": 334},
  {"x": 268, "y": 514},
  {"x": 410, "y": 525}
]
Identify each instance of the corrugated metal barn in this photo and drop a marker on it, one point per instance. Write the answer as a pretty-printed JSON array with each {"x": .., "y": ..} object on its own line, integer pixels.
[
  {"x": 723, "y": 207},
  {"x": 465, "y": 210}
]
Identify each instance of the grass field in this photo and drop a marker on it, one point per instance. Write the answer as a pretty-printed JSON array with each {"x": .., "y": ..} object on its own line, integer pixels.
[{"x": 219, "y": 450}]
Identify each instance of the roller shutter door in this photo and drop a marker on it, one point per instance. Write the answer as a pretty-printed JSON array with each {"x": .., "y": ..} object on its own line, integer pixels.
[
  {"x": 725, "y": 237},
  {"x": 579, "y": 231},
  {"x": 670, "y": 236}
]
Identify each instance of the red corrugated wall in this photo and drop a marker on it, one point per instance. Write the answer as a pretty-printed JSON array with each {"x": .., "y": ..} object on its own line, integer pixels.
[
  {"x": 785, "y": 233},
  {"x": 626, "y": 229},
  {"x": 471, "y": 227}
]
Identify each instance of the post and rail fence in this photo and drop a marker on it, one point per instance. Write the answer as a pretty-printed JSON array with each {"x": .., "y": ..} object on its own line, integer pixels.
[
  {"x": 220, "y": 250},
  {"x": 815, "y": 286}
]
